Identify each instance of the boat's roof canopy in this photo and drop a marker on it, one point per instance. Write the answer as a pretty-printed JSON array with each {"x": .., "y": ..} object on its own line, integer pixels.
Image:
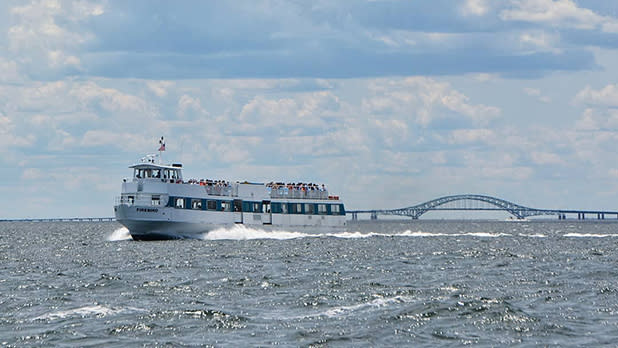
[
  {"x": 156, "y": 166},
  {"x": 151, "y": 162}
]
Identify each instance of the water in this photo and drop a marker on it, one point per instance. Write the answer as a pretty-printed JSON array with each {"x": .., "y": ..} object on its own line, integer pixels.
[{"x": 419, "y": 283}]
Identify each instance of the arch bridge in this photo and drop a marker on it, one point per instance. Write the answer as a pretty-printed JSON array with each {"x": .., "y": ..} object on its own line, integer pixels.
[{"x": 474, "y": 202}]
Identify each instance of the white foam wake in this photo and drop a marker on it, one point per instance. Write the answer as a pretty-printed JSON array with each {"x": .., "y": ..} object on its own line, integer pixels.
[
  {"x": 120, "y": 234},
  {"x": 379, "y": 302},
  {"x": 86, "y": 311},
  {"x": 589, "y": 235},
  {"x": 240, "y": 232}
]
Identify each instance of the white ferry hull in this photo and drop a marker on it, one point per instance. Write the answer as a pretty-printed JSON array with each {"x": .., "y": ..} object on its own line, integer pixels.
[{"x": 146, "y": 223}]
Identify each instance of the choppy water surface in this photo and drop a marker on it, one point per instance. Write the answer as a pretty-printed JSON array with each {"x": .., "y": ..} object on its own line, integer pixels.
[{"x": 382, "y": 284}]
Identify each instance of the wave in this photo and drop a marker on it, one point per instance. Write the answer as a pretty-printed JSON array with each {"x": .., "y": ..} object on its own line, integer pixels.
[
  {"x": 342, "y": 311},
  {"x": 240, "y": 232},
  {"x": 536, "y": 235},
  {"x": 120, "y": 234},
  {"x": 86, "y": 311},
  {"x": 379, "y": 302},
  {"x": 589, "y": 235}
]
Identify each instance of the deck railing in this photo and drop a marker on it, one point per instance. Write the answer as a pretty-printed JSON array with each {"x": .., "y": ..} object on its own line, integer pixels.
[{"x": 284, "y": 192}]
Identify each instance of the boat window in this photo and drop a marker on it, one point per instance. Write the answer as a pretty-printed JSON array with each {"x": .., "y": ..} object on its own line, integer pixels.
[
  {"x": 284, "y": 208},
  {"x": 211, "y": 205},
  {"x": 238, "y": 205},
  {"x": 334, "y": 209},
  {"x": 196, "y": 204},
  {"x": 257, "y": 207},
  {"x": 296, "y": 208},
  {"x": 226, "y": 206},
  {"x": 156, "y": 200},
  {"x": 322, "y": 209},
  {"x": 266, "y": 207},
  {"x": 308, "y": 208},
  {"x": 131, "y": 199},
  {"x": 180, "y": 203}
]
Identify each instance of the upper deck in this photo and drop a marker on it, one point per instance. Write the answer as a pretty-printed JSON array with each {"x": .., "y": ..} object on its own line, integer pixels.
[{"x": 148, "y": 175}]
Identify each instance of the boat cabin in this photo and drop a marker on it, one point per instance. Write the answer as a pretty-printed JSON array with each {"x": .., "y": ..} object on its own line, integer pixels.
[{"x": 157, "y": 172}]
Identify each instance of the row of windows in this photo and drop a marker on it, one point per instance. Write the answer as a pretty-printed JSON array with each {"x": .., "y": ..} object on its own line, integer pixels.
[{"x": 256, "y": 207}]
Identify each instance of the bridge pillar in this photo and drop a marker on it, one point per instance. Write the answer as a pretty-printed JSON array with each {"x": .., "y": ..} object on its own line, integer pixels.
[
  {"x": 355, "y": 216},
  {"x": 374, "y": 216}
]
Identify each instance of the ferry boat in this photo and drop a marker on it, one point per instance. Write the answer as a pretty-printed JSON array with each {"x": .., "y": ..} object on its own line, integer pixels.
[{"x": 157, "y": 203}]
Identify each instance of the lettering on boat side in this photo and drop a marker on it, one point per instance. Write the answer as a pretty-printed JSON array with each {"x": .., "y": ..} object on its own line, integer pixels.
[{"x": 147, "y": 210}]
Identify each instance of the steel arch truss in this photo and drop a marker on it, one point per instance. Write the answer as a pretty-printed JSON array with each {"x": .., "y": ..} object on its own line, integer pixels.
[{"x": 519, "y": 211}]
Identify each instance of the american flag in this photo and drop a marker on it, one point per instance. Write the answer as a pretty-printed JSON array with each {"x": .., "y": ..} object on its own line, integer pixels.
[{"x": 162, "y": 143}]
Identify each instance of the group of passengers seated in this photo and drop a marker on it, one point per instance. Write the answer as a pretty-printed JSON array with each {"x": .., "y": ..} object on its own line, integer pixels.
[
  {"x": 208, "y": 182},
  {"x": 297, "y": 186},
  {"x": 298, "y": 189}
]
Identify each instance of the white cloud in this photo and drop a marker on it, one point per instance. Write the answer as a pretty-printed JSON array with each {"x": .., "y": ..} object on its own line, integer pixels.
[
  {"x": 111, "y": 99},
  {"x": 190, "y": 106},
  {"x": 607, "y": 96},
  {"x": 46, "y": 30},
  {"x": 596, "y": 120},
  {"x": 539, "y": 41},
  {"x": 563, "y": 13},
  {"x": 8, "y": 137},
  {"x": 484, "y": 77},
  {"x": 9, "y": 71},
  {"x": 159, "y": 88},
  {"x": 543, "y": 158},
  {"x": 535, "y": 92},
  {"x": 467, "y": 136},
  {"x": 289, "y": 115},
  {"x": 424, "y": 97},
  {"x": 475, "y": 7}
]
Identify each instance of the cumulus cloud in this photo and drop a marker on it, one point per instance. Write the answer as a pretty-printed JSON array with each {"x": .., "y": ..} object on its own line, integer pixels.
[
  {"x": 49, "y": 33},
  {"x": 159, "y": 88},
  {"x": 474, "y": 7},
  {"x": 607, "y": 96},
  {"x": 428, "y": 99},
  {"x": 545, "y": 158},
  {"x": 190, "y": 105},
  {"x": 290, "y": 115},
  {"x": 598, "y": 119},
  {"x": 467, "y": 136},
  {"x": 535, "y": 92},
  {"x": 561, "y": 13}
]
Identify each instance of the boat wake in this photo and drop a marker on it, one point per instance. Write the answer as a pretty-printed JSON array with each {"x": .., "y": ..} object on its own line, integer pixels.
[
  {"x": 120, "y": 234},
  {"x": 87, "y": 311},
  {"x": 589, "y": 235},
  {"x": 241, "y": 232}
]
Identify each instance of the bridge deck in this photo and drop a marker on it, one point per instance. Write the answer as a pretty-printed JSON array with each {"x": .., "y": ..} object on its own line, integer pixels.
[{"x": 480, "y": 203}]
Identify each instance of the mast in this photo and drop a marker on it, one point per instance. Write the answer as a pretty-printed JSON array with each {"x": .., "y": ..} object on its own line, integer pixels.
[{"x": 161, "y": 149}]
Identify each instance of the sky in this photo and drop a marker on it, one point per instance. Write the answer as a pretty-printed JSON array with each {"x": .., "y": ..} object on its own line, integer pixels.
[{"x": 389, "y": 103}]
